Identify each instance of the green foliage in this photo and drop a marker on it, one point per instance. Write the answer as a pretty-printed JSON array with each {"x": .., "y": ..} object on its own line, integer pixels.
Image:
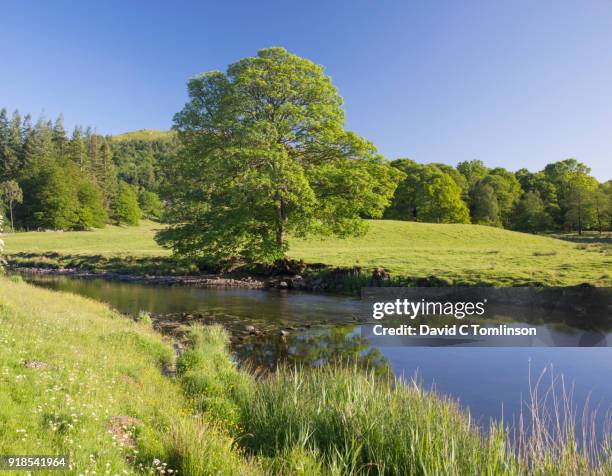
[
  {"x": 150, "y": 204},
  {"x": 265, "y": 154},
  {"x": 473, "y": 171},
  {"x": 507, "y": 191},
  {"x": 602, "y": 204},
  {"x": 403, "y": 205},
  {"x": 50, "y": 199},
  {"x": 105, "y": 174},
  {"x": 428, "y": 193},
  {"x": 91, "y": 212},
  {"x": 11, "y": 156},
  {"x": 578, "y": 191},
  {"x": 438, "y": 199},
  {"x": 457, "y": 176},
  {"x": 144, "y": 135},
  {"x": 2, "y": 262},
  {"x": 85, "y": 168},
  {"x": 531, "y": 214},
  {"x": 539, "y": 183},
  {"x": 138, "y": 156},
  {"x": 125, "y": 206},
  {"x": 485, "y": 209}
]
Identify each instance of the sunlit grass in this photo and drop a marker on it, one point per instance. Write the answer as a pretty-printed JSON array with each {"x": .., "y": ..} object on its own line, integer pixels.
[
  {"x": 458, "y": 253},
  {"x": 70, "y": 367}
]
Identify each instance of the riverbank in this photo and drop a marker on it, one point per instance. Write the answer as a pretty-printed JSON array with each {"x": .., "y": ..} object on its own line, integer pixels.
[
  {"x": 80, "y": 379},
  {"x": 406, "y": 252}
]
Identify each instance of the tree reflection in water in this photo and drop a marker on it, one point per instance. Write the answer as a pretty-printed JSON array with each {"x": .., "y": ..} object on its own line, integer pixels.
[{"x": 337, "y": 345}]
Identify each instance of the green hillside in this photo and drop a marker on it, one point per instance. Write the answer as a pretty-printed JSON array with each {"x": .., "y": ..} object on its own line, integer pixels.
[
  {"x": 460, "y": 253},
  {"x": 144, "y": 134}
]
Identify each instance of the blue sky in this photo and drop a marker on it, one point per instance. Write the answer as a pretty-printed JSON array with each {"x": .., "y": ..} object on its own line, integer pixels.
[{"x": 515, "y": 83}]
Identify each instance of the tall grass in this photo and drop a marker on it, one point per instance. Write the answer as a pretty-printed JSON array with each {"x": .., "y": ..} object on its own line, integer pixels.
[{"x": 342, "y": 420}]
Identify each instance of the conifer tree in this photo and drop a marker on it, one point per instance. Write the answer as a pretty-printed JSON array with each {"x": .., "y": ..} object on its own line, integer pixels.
[
  {"x": 60, "y": 140},
  {"x": 10, "y": 146},
  {"x": 77, "y": 151},
  {"x": 105, "y": 174}
]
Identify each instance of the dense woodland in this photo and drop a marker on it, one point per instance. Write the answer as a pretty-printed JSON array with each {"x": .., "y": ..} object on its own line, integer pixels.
[
  {"x": 562, "y": 197},
  {"x": 49, "y": 180},
  {"x": 52, "y": 180}
]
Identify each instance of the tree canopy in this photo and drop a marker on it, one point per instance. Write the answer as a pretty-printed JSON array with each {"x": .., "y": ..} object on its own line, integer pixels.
[{"x": 264, "y": 154}]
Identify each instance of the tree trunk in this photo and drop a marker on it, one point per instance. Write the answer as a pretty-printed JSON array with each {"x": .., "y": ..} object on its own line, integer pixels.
[{"x": 282, "y": 225}]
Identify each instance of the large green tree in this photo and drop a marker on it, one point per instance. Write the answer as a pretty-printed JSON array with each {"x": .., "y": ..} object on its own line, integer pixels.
[
  {"x": 404, "y": 203},
  {"x": 547, "y": 191},
  {"x": 507, "y": 191},
  {"x": 531, "y": 214},
  {"x": 485, "y": 208},
  {"x": 265, "y": 154},
  {"x": 438, "y": 199},
  {"x": 428, "y": 193},
  {"x": 579, "y": 191}
]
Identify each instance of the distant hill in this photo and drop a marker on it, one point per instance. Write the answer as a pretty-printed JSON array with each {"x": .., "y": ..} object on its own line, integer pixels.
[{"x": 144, "y": 134}]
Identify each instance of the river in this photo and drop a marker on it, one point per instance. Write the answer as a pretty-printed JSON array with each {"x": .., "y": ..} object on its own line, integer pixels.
[{"x": 490, "y": 382}]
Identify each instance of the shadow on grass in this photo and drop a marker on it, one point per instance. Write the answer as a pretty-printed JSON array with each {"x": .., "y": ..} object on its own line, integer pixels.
[{"x": 588, "y": 238}]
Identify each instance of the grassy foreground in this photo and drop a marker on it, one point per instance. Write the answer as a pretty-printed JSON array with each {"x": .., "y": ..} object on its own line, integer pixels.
[
  {"x": 459, "y": 253},
  {"x": 77, "y": 378}
]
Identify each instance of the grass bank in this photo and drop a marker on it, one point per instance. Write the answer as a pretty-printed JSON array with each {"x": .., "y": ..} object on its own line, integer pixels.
[
  {"x": 77, "y": 378},
  {"x": 460, "y": 254}
]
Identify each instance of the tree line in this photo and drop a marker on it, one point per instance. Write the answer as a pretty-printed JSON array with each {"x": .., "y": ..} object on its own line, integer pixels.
[
  {"x": 51, "y": 181},
  {"x": 561, "y": 197}
]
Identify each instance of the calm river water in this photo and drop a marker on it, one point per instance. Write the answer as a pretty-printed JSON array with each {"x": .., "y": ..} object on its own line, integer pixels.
[{"x": 491, "y": 382}]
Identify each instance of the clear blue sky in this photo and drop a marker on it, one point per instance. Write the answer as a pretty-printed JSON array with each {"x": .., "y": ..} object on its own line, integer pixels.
[{"x": 515, "y": 83}]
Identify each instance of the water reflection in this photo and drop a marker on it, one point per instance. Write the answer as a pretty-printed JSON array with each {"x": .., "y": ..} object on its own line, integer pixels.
[{"x": 337, "y": 345}]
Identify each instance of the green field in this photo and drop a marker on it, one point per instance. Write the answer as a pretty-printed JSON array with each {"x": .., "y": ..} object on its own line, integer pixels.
[{"x": 459, "y": 253}]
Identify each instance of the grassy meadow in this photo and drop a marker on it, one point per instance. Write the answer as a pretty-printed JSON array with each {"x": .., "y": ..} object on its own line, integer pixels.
[
  {"x": 459, "y": 253},
  {"x": 76, "y": 378}
]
